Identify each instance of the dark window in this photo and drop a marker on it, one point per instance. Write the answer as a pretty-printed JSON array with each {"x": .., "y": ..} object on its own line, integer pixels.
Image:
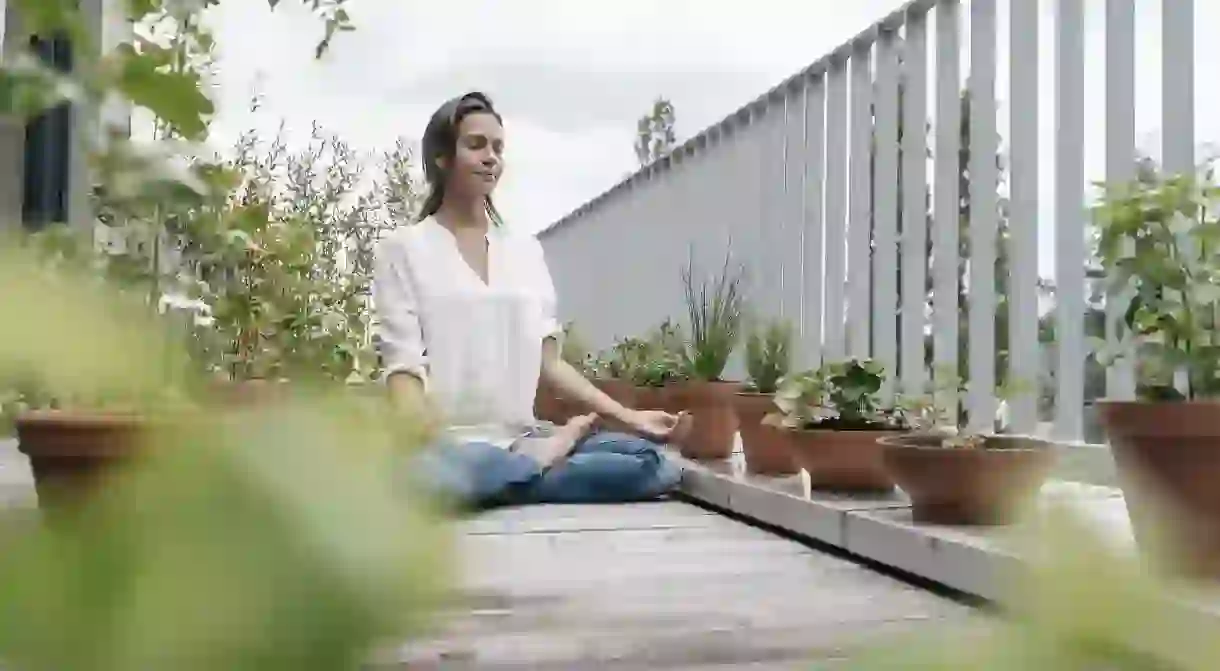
[{"x": 48, "y": 140}]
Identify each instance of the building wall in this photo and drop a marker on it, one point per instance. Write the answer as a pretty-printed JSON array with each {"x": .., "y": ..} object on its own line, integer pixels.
[
  {"x": 12, "y": 136},
  {"x": 107, "y": 21}
]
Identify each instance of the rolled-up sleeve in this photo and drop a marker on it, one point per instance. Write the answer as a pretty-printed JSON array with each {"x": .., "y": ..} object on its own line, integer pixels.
[
  {"x": 545, "y": 289},
  {"x": 399, "y": 329}
]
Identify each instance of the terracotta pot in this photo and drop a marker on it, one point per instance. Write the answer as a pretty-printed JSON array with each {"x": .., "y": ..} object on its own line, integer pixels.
[
  {"x": 968, "y": 486},
  {"x": 1168, "y": 457},
  {"x": 766, "y": 447},
  {"x": 674, "y": 398},
  {"x": 554, "y": 408},
  {"x": 619, "y": 390},
  {"x": 713, "y": 426},
  {"x": 648, "y": 398},
  {"x": 849, "y": 461},
  {"x": 71, "y": 452}
]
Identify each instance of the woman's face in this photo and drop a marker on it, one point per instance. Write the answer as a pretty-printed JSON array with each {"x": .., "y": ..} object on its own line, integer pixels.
[{"x": 478, "y": 160}]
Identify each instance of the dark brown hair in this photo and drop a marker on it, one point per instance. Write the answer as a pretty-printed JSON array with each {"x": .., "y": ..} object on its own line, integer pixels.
[{"x": 440, "y": 141}]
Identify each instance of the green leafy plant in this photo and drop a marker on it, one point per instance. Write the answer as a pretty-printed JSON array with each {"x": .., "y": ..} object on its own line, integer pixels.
[
  {"x": 231, "y": 517},
  {"x": 839, "y": 395},
  {"x": 662, "y": 358},
  {"x": 625, "y": 358},
  {"x": 1160, "y": 240},
  {"x": 715, "y": 312},
  {"x": 264, "y": 539},
  {"x": 923, "y": 413},
  {"x": 768, "y": 356}
]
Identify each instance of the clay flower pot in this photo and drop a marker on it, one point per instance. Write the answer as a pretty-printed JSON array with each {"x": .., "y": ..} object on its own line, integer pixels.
[
  {"x": 1168, "y": 457},
  {"x": 673, "y": 398},
  {"x": 647, "y": 398},
  {"x": 846, "y": 461},
  {"x": 619, "y": 390},
  {"x": 713, "y": 427},
  {"x": 766, "y": 447},
  {"x": 71, "y": 451},
  {"x": 983, "y": 485}
]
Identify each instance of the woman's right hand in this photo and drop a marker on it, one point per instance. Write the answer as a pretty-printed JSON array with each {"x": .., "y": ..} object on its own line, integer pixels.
[{"x": 414, "y": 412}]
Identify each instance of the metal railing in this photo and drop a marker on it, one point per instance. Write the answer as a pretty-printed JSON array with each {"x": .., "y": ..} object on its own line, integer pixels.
[{"x": 843, "y": 193}]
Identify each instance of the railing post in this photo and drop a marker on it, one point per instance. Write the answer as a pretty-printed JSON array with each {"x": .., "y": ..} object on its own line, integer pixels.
[
  {"x": 859, "y": 263},
  {"x": 1120, "y": 159},
  {"x": 813, "y": 268},
  {"x": 945, "y": 225},
  {"x": 914, "y": 203},
  {"x": 835, "y": 343},
  {"x": 983, "y": 214},
  {"x": 1024, "y": 355},
  {"x": 1069, "y": 218}
]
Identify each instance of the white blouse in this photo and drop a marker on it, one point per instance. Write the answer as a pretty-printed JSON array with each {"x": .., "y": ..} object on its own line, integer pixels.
[{"x": 476, "y": 346}]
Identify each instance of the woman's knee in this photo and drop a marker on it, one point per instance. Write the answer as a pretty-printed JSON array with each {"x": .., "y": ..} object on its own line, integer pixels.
[
  {"x": 606, "y": 477},
  {"x": 473, "y": 474},
  {"x": 621, "y": 443}
]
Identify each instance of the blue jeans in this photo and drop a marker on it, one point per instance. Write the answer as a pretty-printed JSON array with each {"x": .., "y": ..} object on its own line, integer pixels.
[{"x": 605, "y": 467}]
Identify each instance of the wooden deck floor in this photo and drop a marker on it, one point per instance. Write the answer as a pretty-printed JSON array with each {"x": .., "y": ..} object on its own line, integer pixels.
[
  {"x": 662, "y": 586},
  {"x": 648, "y": 586}
]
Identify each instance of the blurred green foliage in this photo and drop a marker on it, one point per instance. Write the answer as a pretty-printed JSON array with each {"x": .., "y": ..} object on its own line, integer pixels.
[{"x": 277, "y": 537}]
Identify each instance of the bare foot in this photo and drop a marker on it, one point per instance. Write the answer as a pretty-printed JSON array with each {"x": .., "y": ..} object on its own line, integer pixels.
[{"x": 559, "y": 444}]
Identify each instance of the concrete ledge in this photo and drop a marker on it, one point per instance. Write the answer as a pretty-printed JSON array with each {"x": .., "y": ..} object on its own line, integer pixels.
[
  {"x": 874, "y": 527},
  {"x": 979, "y": 561}
]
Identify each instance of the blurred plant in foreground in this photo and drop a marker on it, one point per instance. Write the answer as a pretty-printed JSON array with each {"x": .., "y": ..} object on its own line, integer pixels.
[
  {"x": 1082, "y": 605},
  {"x": 268, "y": 539}
]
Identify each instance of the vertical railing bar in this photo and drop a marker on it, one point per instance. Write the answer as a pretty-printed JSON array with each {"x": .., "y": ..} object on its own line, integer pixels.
[
  {"x": 915, "y": 203},
  {"x": 1069, "y": 218},
  {"x": 815, "y": 174},
  {"x": 885, "y": 214},
  {"x": 834, "y": 313},
  {"x": 946, "y": 196},
  {"x": 859, "y": 261},
  {"x": 794, "y": 171},
  {"x": 1178, "y": 98},
  {"x": 983, "y": 215},
  {"x": 1120, "y": 160},
  {"x": 1023, "y": 353},
  {"x": 1178, "y": 85}
]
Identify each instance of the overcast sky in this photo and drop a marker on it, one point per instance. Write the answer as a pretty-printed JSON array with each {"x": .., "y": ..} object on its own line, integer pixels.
[{"x": 572, "y": 77}]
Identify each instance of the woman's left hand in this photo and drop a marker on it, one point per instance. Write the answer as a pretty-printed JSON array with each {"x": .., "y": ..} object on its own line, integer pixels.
[{"x": 654, "y": 425}]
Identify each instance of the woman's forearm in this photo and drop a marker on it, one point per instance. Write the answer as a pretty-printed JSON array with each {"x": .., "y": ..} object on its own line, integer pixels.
[
  {"x": 407, "y": 395},
  {"x": 571, "y": 383}
]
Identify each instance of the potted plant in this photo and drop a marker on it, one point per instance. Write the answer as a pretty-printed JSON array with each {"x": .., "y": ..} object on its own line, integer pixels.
[
  {"x": 247, "y": 279},
  {"x": 1158, "y": 238},
  {"x": 714, "y": 309},
  {"x": 957, "y": 477},
  {"x": 621, "y": 364},
  {"x": 768, "y": 359},
  {"x": 598, "y": 369},
  {"x": 833, "y": 418},
  {"x": 661, "y": 368}
]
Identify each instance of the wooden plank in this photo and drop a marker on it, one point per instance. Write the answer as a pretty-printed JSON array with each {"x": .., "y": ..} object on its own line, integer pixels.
[
  {"x": 551, "y": 518},
  {"x": 706, "y": 591}
]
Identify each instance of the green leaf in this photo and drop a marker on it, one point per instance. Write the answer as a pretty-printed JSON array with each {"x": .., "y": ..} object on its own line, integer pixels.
[{"x": 176, "y": 98}]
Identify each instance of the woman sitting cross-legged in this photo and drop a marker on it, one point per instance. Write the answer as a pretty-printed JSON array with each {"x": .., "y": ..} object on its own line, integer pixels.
[{"x": 467, "y": 325}]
